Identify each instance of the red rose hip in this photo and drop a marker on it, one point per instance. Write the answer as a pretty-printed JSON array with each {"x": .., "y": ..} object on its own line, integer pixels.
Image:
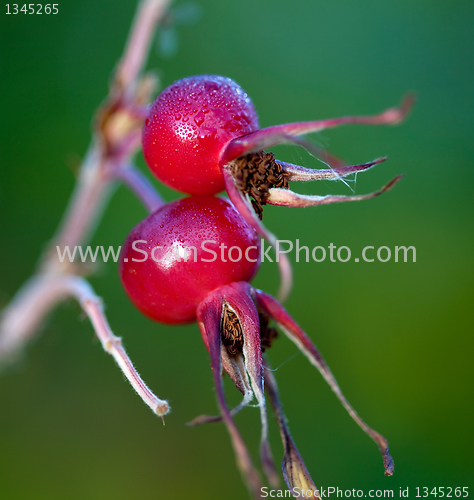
[
  {"x": 188, "y": 127},
  {"x": 179, "y": 254},
  {"x": 201, "y": 136}
]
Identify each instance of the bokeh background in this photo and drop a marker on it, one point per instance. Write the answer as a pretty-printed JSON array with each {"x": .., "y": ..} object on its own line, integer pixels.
[{"x": 398, "y": 336}]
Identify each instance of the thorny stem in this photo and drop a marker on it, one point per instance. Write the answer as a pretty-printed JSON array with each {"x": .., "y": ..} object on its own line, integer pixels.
[{"x": 108, "y": 157}]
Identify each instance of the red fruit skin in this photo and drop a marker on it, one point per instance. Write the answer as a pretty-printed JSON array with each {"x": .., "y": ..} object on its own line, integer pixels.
[
  {"x": 169, "y": 292},
  {"x": 189, "y": 125}
]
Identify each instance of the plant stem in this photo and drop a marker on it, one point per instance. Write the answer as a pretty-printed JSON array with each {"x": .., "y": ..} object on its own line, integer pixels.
[{"x": 113, "y": 145}]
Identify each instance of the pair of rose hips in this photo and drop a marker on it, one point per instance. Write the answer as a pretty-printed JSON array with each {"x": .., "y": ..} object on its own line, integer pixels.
[{"x": 193, "y": 258}]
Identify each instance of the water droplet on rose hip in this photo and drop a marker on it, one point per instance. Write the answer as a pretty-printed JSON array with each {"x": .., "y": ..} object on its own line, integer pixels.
[
  {"x": 199, "y": 119},
  {"x": 211, "y": 86}
]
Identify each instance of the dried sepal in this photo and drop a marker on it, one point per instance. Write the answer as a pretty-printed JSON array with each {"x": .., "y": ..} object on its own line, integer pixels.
[
  {"x": 237, "y": 296},
  {"x": 297, "y": 173},
  {"x": 319, "y": 152},
  {"x": 271, "y": 136},
  {"x": 234, "y": 367},
  {"x": 255, "y": 174},
  {"x": 244, "y": 206},
  {"x": 294, "y": 332},
  {"x": 288, "y": 198},
  {"x": 294, "y": 470},
  {"x": 209, "y": 314}
]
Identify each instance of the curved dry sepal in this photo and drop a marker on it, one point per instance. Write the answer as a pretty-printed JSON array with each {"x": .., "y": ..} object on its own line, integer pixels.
[
  {"x": 319, "y": 152},
  {"x": 235, "y": 368},
  {"x": 294, "y": 470},
  {"x": 243, "y": 205},
  {"x": 297, "y": 173},
  {"x": 209, "y": 314},
  {"x": 237, "y": 297},
  {"x": 288, "y": 198},
  {"x": 271, "y": 136},
  {"x": 289, "y": 326}
]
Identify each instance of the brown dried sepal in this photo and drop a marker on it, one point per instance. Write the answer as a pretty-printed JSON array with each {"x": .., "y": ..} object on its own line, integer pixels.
[
  {"x": 267, "y": 334},
  {"x": 255, "y": 174},
  {"x": 231, "y": 332}
]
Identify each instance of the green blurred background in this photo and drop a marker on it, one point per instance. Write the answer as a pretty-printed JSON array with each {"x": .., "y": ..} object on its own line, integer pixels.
[{"x": 398, "y": 336}]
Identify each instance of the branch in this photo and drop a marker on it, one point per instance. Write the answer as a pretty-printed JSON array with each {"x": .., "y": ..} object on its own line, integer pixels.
[
  {"x": 92, "y": 305},
  {"x": 148, "y": 15},
  {"x": 113, "y": 144},
  {"x": 21, "y": 320},
  {"x": 139, "y": 184}
]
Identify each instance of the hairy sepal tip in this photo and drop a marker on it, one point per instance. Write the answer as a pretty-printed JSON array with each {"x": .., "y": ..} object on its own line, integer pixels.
[{"x": 162, "y": 409}]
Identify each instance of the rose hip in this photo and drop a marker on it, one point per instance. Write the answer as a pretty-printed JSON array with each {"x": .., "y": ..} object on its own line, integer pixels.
[
  {"x": 182, "y": 252},
  {"x": 201, "y": 136},
  {"x": 192, "y": 260},
  {"x": 188, "y": 127}
]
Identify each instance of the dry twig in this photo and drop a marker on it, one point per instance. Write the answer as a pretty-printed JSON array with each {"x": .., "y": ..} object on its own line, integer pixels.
[{"x": 109, "y": 158}]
